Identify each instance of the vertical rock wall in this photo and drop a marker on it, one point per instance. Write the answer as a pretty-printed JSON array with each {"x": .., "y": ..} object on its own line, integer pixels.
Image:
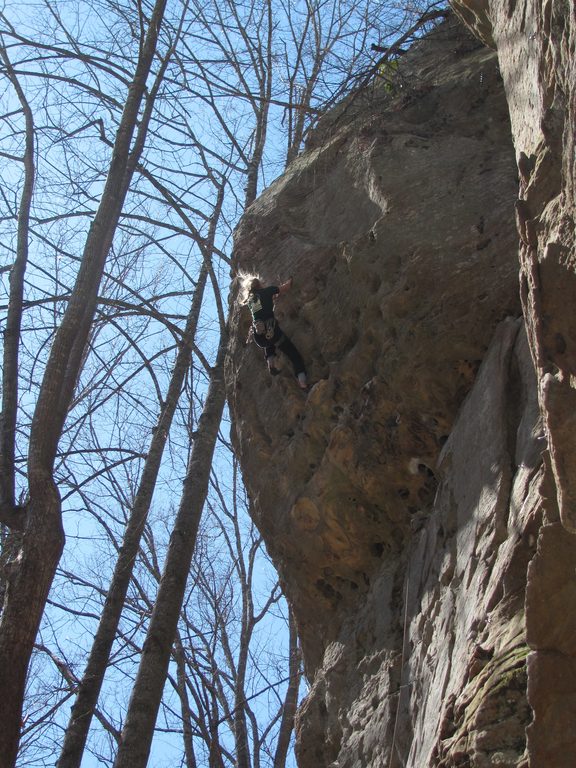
[{"x": 536, "y": 45}]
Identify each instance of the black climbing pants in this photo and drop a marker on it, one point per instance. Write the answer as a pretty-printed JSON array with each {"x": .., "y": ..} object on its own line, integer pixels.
[{"x": 282, "y": 342}]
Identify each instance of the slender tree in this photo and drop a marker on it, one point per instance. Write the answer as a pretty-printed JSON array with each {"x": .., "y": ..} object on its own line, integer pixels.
[
  {"x": 11, "y": 514},
  {"x": 98, "y": 661},
  {"x": 147, "y": 692},
  {"x": 291, "y": 701},
  {"x": 223, "y": 656}
]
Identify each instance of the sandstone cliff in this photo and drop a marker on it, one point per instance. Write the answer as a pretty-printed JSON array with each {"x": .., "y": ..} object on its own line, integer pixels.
[{"x": 408, "y": 498}]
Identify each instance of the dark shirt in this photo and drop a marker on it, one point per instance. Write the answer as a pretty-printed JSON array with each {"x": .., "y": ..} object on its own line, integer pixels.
[{"x": 261, "y": 302}]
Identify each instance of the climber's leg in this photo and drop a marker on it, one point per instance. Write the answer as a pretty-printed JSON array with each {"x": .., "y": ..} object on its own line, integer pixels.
[
  {"x": 296, "y": 359},
  {"x": 270, "y": 354}
]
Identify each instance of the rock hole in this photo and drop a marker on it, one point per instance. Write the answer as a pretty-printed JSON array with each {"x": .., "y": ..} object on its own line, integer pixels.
[
  {"x": 427, "y": 492},
  {"x": 328, "y": 590},
  {"x": 377, "y": 549}
]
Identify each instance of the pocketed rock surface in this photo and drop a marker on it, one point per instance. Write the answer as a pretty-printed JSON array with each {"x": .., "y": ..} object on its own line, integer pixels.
[{"x": 404, "y": 497}]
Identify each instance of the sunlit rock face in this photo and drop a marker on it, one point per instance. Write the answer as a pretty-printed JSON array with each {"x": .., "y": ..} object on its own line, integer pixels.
[{"x": 401, "y": 496}]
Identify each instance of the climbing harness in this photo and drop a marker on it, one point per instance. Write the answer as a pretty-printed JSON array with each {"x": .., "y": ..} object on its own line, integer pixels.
[
  {"x": 266, "y": 328},
  {"x": 263, "y": 328}
]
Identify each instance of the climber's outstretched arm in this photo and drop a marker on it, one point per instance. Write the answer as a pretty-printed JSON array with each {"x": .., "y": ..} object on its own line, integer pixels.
[{"x": 285, "y": 287}]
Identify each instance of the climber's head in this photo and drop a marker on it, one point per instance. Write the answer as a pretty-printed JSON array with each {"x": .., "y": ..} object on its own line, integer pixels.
[{"x": 247, "y": 283}]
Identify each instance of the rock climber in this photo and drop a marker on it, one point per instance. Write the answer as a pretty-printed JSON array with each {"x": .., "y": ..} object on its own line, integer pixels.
[{"x": 266, "y": 332}]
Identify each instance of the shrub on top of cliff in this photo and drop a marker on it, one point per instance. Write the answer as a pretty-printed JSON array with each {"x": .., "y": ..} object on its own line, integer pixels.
[
  {"x": 387, "y": 72},
  {"x": 349, "y": 100},
  {"x": 388, "y": 62}
]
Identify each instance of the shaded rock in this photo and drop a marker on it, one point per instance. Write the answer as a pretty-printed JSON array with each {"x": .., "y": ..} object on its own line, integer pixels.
[
  {"x": 536, "y": 44},
  {"x": 431, "y": 670}
]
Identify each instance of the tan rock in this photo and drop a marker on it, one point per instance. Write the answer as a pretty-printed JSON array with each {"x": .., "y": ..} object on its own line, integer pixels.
[
  {"x": 398, "y": 233},
  {"x": 305, "y": 514}
]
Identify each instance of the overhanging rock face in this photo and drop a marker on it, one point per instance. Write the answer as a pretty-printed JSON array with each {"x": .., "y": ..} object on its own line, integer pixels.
[{"x": 400, "y": 497}]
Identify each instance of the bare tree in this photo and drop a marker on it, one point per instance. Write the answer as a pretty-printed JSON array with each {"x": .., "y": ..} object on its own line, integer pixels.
[
  {"x": 159, "y": 130},
  {"x": 290, "y": 703},
  {"x": 40, "y": 520},
  {"x": 11, "y": 513},
  {"x": 225, "y": 658},
  {"x": 147, "y": 692},
  {"x": 89, "y": 688}
]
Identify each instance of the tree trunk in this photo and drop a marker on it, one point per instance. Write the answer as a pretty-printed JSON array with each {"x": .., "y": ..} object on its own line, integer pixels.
[
  {"x": 240, "y": 726},
  {"x": 147, "y": 692},
  {"x": 26, "y": 593},
  {"x": 262, "y": 110},
  {"x": 291, "y": 698},
  {"x": 9, "y": 513},
  {"x": 187, "y": 730}
]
